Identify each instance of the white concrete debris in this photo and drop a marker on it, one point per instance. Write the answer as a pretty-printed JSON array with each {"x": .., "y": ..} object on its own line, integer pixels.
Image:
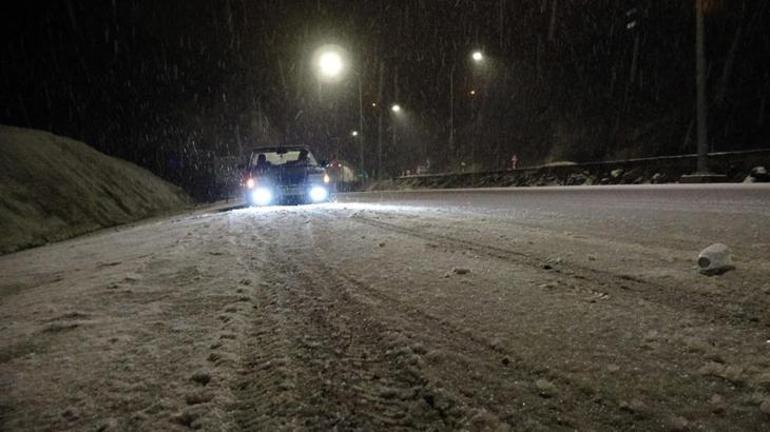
[
  {"x": 715, "y": 259},
  {"x": 757, "y": 174}
]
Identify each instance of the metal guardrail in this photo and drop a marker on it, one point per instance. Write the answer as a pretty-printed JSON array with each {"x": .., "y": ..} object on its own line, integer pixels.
[{"x": 577, "y": 165}]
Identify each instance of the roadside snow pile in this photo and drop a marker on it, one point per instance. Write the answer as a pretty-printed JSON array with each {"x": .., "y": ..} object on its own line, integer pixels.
[{"x": 53, "y": 188}]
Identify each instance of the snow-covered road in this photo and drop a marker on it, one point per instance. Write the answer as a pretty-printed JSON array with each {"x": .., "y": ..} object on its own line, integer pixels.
[{"x": 531, "y": 309}]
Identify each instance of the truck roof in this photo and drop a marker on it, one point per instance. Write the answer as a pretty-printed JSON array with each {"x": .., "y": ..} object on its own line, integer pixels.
[{"x": 281, "y": 149}]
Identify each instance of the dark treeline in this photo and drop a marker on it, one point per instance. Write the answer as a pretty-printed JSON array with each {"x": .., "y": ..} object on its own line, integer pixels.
[{"x": 174, "y": 84}]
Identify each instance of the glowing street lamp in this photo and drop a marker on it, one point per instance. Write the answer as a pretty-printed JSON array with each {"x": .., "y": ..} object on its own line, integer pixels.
[
  {"x": 477, "y": 56},
  {"x": 396, "y": 108},
  {"x": 330, "y": 64},
  {"x": 354, "y": 133}
]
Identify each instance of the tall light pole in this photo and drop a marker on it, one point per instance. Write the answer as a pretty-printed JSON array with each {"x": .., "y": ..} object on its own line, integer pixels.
[
  {"x": 477, "y": 56},
  {"x": 331, "y": 67},
  {"x": 700, "y": 79},
  {"x": 396, "y": 112},
  {"x": 702, "y": 173},
  {"x": 452, "y": 151},
  {"x": 361, "y": 127},
  {"x": 396, "y": 109},
  {"x": 478, "y": 59},
  {"x": 380, "y": 90}
]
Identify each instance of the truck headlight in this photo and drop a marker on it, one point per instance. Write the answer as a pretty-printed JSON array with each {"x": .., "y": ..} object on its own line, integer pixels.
[
  {"x": 262, "y": 196},
  {"x": 327, "y": 179},
  {"x": 318, "y": 194}
]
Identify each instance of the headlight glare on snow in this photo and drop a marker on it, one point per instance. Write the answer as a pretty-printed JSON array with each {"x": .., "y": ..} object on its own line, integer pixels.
[
  {"x": 318, "y": 193},
  {"x": 262, "y": 196}
]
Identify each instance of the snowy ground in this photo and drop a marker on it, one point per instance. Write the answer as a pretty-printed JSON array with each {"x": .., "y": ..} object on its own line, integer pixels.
[{"x": 541, "y": 309}]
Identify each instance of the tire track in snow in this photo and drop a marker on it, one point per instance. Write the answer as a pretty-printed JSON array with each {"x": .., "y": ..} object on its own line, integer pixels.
[
  {"x": 485, "y": 394},
  {"x": 314, "y": 366},
  {"x": 265, "y": 390}
]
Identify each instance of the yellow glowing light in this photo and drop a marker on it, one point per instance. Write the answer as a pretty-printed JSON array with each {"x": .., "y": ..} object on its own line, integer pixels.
[{"x": 330, "y": 64}]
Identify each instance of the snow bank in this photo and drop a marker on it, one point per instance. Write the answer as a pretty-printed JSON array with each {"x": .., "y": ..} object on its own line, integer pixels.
[{"x": 52, "y": 188}]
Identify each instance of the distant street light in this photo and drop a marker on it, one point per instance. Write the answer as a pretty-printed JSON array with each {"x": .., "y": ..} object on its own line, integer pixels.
[
  {"x": 477, "y": 56},
  {"x": 473, "y": 92},
  {"x": 354, "y": 134},
  {"x": 396, "y": 108}
]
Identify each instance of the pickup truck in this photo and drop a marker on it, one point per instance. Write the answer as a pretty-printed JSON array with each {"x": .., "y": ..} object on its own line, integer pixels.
[{"x": 284, "y": 175}]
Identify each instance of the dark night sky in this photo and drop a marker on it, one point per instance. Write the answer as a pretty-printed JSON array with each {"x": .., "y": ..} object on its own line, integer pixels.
[{"x": 153, "y": 80}]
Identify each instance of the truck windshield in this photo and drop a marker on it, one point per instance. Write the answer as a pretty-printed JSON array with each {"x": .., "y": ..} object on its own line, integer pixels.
[{"x": 297, "y": 157}]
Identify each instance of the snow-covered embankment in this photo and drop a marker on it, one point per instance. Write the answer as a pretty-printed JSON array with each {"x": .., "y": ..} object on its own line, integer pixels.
[{"x": 53, "y": 188}]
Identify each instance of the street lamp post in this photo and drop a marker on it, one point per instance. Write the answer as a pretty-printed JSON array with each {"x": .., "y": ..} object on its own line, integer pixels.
[
  {"x": 700, "y": 78},
  {"x": 702, "y": 173},
  {"x": 478, "y": 58},
  {"x": 396, "y": 111},
  {"x": 361, "y": 160},
  {"x": 331, "y": 66},
  {"x": 396, "y": 108},
  {"x": 380, "y": 90},
  {"x": 452, "y": 151}
]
